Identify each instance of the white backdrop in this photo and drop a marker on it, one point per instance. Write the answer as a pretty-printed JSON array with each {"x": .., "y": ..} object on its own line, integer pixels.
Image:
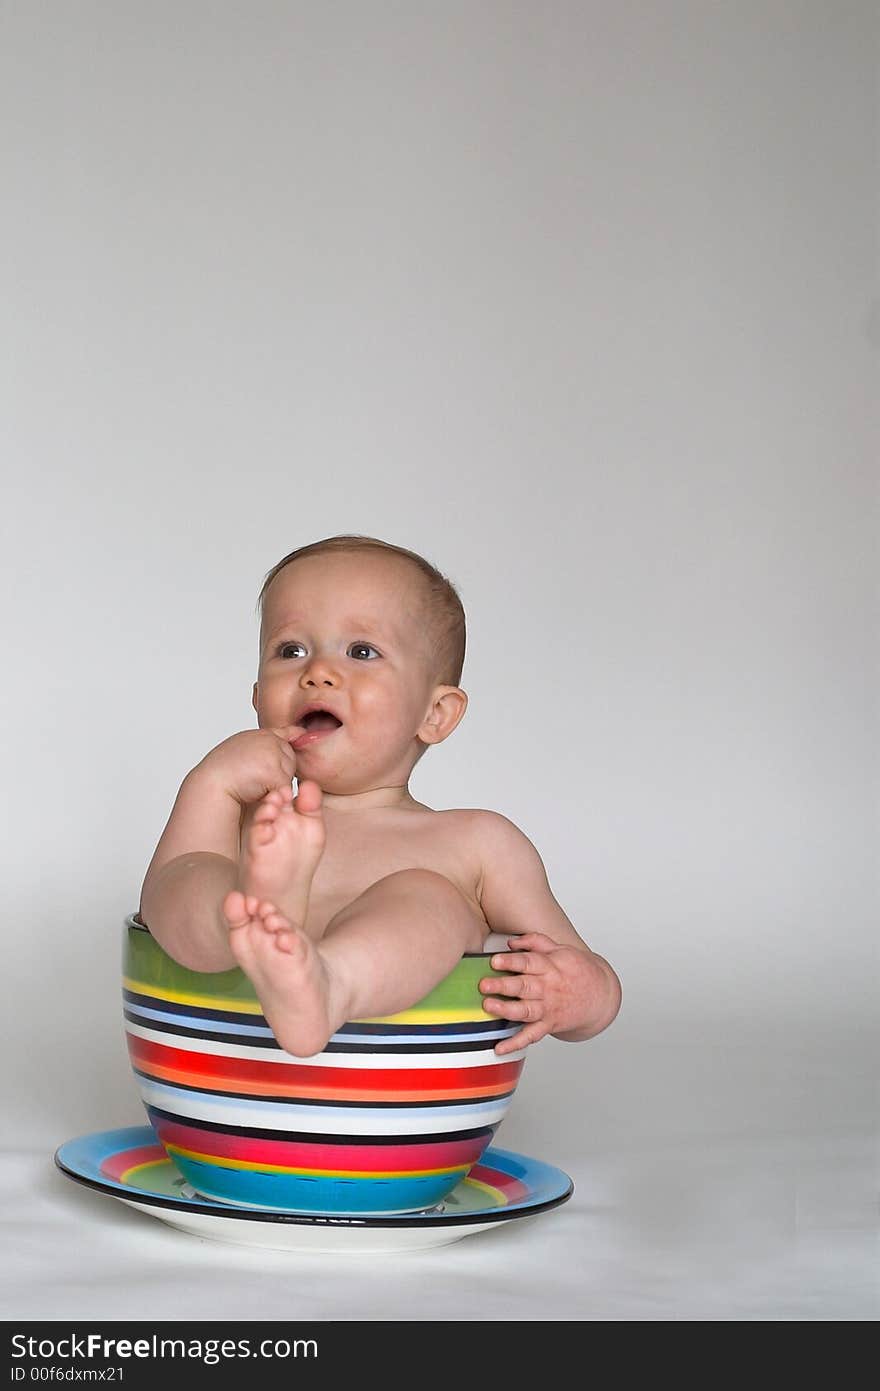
[{"x": 574, "y": 299}]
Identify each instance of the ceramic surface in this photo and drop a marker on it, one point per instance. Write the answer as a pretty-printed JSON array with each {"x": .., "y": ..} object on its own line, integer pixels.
[
  {"x": 129, "y": 1165},
  {"x": 389, "y": 1118}
]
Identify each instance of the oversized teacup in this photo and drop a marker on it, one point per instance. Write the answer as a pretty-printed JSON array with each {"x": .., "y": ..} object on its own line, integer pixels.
[{"x": 388, "y": 1118}]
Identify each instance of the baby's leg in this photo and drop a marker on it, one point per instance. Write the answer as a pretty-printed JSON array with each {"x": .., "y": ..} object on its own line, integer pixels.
[
  {"x": 393, "y": 943},
  {"x": 381, "y": 953}
]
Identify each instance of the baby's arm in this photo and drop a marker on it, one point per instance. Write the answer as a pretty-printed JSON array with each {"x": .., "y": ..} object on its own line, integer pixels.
[
  {"x": 560, "y": 987},
  {"x": 193, "y": 868},
  {"x": 195, "y": 865}
]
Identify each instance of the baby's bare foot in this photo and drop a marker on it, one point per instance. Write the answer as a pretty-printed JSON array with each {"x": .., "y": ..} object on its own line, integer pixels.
[
  {"x": 288, "y": 972},
  {"x": 281, "y": 848}
]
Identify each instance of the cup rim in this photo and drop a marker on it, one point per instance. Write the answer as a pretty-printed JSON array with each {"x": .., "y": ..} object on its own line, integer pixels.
[{"x": 133, "y": 920}]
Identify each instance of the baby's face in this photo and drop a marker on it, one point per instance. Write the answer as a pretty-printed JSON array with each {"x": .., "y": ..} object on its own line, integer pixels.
[{"x": 344, "y": 632}]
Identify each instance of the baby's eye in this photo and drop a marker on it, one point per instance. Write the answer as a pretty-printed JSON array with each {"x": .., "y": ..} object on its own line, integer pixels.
[
  {"x": 357, "y": 647},
  {"x": 283, "y": 648}
]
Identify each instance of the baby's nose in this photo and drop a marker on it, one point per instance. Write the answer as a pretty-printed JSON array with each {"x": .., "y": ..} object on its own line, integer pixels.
[{"x": 320, "y": 671}]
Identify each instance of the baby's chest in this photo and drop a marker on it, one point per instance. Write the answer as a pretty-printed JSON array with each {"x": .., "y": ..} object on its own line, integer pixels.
[{"x": 351, "y": 863}]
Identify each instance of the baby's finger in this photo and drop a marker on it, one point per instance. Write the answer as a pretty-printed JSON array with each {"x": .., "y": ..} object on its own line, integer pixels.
[
  {"x": 534, "y": 941},
  {"x": 526, "y": 987},
  {"x": 521, "y": 961},
  {"x": 288, "y": 732},
  {"x": 525, "y": 1010},
  {"x": 530, "y": 1033}
]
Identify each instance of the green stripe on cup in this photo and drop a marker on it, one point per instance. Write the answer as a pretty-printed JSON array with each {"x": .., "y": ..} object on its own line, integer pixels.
[{"x": 146, "y": 964}]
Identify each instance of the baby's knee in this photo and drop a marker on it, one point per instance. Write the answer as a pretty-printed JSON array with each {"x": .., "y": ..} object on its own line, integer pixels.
[
  {"x": 421, "y": 882},
  {"x": 417, "y": 896}
]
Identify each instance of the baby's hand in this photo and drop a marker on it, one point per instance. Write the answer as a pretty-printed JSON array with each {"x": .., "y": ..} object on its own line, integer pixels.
[
  {"x": 547, "y": 993},
  {"x": 252, "y": 763}
]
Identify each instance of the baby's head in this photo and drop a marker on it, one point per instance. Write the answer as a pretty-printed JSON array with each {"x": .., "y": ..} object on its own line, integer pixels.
[{"x": 373, "y": 635}]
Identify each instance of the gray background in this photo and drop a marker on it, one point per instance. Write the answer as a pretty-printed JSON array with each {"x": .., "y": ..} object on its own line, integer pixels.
[{"x": 576, "y": 300}]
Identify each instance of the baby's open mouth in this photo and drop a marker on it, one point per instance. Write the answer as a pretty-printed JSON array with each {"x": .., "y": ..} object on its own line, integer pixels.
[{"x": 320, "y": 719}]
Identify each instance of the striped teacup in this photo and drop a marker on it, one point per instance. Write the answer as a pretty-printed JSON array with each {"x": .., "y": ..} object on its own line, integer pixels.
[{"x": 388, "y": 1118}]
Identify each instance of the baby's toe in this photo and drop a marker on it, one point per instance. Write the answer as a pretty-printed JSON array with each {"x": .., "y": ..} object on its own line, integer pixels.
[
  {"x": 235, "y": 909},
  {"x": 287, "y": 941},
  {"x": 277, "y": 921}
]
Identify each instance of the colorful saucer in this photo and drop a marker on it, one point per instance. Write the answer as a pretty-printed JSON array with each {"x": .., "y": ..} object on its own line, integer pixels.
[{"x": 129, "y": 1164}]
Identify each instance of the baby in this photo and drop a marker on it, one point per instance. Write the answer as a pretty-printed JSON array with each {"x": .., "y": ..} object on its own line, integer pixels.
[{"x": 352, "y": 900}]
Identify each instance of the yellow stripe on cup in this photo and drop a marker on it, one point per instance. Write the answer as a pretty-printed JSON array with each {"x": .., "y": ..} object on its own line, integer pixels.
[
  {"x": 216, "y": 1161},
  {"x": 252, "y": 1007}
]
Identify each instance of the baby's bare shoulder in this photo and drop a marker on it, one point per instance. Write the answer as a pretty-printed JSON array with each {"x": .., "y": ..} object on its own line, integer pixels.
[
  {"x": 452, "y": 822},
  {"x": 468, "y": 818},
  {"x": 492, "y": 834}
]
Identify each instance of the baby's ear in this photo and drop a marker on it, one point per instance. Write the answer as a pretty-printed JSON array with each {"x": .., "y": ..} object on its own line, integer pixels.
[
  {"x": 448, "y": 704},
  {"x": 254, "y": 696}
]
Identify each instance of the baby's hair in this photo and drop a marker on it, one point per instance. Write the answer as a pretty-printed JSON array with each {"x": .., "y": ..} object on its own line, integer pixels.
[{"x": 445, "y": 621}]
